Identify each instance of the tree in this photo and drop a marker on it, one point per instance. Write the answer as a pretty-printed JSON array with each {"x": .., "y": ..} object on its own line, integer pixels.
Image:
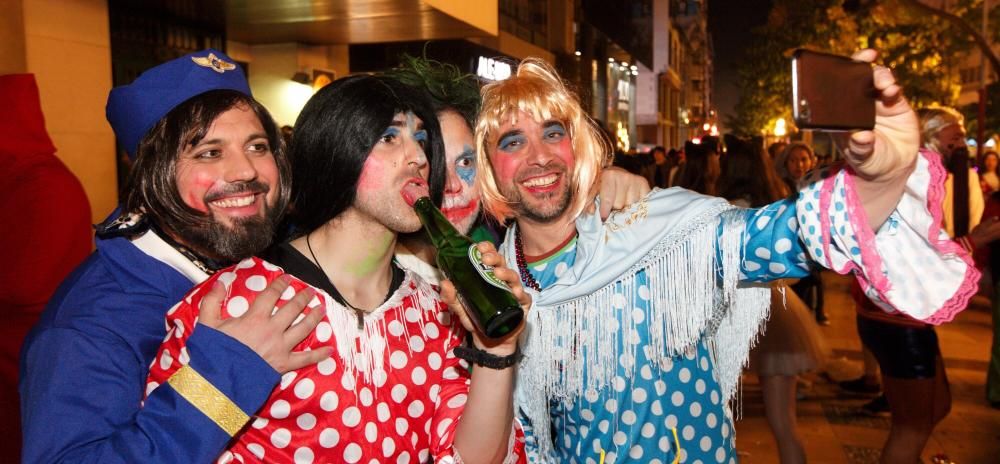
[{"x": 921, "y": 48}]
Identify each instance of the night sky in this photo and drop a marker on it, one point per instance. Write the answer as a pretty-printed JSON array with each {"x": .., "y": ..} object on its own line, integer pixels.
[{"x": 730, "y": 23}]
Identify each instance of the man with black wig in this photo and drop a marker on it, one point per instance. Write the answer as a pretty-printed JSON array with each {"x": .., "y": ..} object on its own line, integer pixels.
[
  {"x": 210, "y": 180},
  {"x": 395, "y": 389}
]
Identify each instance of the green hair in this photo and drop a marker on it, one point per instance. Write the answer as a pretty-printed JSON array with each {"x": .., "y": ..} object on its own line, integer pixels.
[{"x": 448, "y": 87}]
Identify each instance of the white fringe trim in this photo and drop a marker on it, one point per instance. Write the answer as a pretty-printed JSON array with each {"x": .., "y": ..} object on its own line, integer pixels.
[
  {"x": 363, "y": 351},
  {"x": 576, "y": 347}
]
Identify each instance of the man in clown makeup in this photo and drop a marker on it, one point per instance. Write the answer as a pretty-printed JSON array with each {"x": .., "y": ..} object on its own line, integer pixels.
[{"x": 641, "y": 323}]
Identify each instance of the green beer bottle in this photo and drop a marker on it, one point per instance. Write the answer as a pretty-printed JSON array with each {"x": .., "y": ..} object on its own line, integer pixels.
[{"x": 491, "y": 305}]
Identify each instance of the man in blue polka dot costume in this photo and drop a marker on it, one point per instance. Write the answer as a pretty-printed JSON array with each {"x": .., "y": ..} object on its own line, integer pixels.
[{"x": 642, "y": 323}]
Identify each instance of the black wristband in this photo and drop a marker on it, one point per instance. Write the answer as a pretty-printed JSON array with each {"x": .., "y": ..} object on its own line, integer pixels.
[{"x": 481, "y": 358}]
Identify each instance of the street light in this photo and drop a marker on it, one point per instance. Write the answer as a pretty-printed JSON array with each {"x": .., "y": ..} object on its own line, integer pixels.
[{"x": 779, "y": 128}]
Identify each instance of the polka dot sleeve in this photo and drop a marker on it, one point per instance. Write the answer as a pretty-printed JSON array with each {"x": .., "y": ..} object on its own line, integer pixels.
[
  {"x": 909, "y": 265},
  {"x": 771, "y": 246}
]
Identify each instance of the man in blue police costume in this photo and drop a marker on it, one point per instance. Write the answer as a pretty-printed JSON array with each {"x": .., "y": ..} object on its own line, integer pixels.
[{"x": 209, "y": 182}]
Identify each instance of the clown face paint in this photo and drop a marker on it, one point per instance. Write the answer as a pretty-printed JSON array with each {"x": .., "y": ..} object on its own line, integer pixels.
[
  {"x": 396, "y": 161},
  {"x": 533, "y": 163},
  {"x": 461, "y": 195}
]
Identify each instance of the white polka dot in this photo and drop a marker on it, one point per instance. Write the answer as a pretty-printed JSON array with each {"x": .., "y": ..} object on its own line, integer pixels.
[
  {"x": 401, "y": 426},
  {"x": 388, "y": 446},
  {"x": 398, "y": 393},
  {"x": 688, "y": 432},
  {"x": 783, "y": 245},
  {"x": 329, "y": 438},
  {"x": 725, "y": 430},
  {"x": 618, "y": 383},
  {"x": 256, "y": 450},
  {"x": 762, "y": 221},
  {"x": 704, "y": 363},
  {"x": 227, "y": 278},
  {"x": 323, "y": 331},
  {"x": 434, "y": 361},
  {"x": 648, "y": 430},
  {"x": 379, "y": 377},
  {"x": 561, "y": 268},
  {"x": 416, "y": 344},
  {"x": 281, "y": 438},
  {"x": 762, "y": 253},
  {"x": 450, "y": 373},
  {"x": 443, "y": 427},
  {"x": 646, "y": 372},
  {"x": 720, "y": 455},
  {"x": 776, "y": 268},
  {"x": 677, "y": 398},
  {"x": 306, "y": 421},
  {"x": 639, "y": 395},
  {"x": 166, "y": 360},
  {"x": 304, "y": 456},
  {"x": 751, "y": 265},
  {"x": 433, "y": 392},
  {"x": 635, "y": 452},
  {"x": 628, "y": 417},
  {"x": 328, "y": 402},
  {"x": 431, "y": 331},
  {"x": 670, "y": 422},
  {"x": 397, "y": 359},
  {"x": 347, "y": 381},
  {"x": 422, "y": 456},
  {"x": 288, "y": 294},
  {"x": 351, "y": 416},
  {"x": 587, "y": 415},
  {"x": 603, "y": 426},
  {"x": 699, "y": 387},
  {"x": 326, "y": 366},
  {"x": 371, "y": 432},
  {"x": 419, "y": 376},
  {"x": 280, "y": 409},
  {"x": 643, "y": 292},
  {"x": 663, "y": 444},
  {"x": 590, "y": 395},
  {"x": 611, "y": 405},
  {"x": 287, "y": 379},
  {"x": 150, "y": 387},
  {"x": 366, "y": 396},
  {"x": 226, "y": 458},
  {"x": 256, "y": 283},
  {"x": 259, "y": 423},
  {"x": 706, "y": 443},
  {"x": 237, "y": 306},
  {"x": 714, "y": 396},
  {"x": 695, "y": 409},
  {"x": 656, "y": 408},
  {"x": 619, "y": 438},
  {"x": 304, "y": 389},
  {"x": 661, "y": 387},
  {"x": 711, "y": 420},
  {"x": 457, "y": 401},
  {"x": 618, "y": 301},
  {"x": 412, "y": 315},
  {"x": 396, "y": 328},
  {"x": 352, "y": 453},
  {"x": 415, "y": 409}
]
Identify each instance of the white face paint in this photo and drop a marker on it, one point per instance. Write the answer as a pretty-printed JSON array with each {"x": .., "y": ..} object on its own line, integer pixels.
[{"x": 461, "y": 196}]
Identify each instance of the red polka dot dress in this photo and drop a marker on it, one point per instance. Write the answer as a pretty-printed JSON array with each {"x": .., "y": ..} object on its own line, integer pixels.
[{"x": 393, "y": 391}]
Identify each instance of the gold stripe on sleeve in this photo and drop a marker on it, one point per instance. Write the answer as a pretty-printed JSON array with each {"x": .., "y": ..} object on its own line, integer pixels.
[{"x": 209, "y": 400}]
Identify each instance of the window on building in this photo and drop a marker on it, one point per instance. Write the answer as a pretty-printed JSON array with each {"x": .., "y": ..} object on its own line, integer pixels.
[{"x": 526, "y": 19}]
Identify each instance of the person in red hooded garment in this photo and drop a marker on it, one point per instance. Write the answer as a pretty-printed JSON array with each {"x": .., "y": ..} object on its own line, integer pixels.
[{"x": 45, "y": 230}]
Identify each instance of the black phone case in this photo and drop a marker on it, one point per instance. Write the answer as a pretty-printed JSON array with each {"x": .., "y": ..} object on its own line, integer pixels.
[{"x": 832, "y": 92}]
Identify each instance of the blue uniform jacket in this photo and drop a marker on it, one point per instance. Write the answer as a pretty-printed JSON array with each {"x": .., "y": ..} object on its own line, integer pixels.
[{"x": 84, "y": 368}]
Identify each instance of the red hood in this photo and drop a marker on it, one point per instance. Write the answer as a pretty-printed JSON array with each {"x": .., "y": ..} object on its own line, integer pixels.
[{"x": 22, "y": 126}]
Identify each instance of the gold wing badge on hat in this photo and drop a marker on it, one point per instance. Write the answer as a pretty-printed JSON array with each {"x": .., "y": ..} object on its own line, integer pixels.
[{"x": 214, "y": 63}]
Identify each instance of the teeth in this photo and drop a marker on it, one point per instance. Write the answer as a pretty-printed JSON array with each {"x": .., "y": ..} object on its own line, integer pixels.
[
  {"x": 541, "y": 181},
  {"x": 236, "y": 202},
  {"x": 452, "y": 202}
]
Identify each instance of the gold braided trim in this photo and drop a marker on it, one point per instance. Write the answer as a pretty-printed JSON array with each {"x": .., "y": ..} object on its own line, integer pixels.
[{"x": 209, "y": 400}]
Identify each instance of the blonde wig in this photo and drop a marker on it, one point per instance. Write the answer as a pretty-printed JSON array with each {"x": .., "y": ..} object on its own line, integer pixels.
[
  {"x": 536, "y": 89},
  {"x": 932, "y": 121}
]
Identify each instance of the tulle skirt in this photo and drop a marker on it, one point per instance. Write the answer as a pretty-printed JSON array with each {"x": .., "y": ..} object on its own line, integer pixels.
[{"x": 792, "y": 342}]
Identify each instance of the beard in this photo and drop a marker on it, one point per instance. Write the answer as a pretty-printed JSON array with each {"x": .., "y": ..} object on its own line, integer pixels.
[
  {"x": 241, "y": 239},
  {"x": 540, "y": 208},
  {"x": 387, "y": 207}
]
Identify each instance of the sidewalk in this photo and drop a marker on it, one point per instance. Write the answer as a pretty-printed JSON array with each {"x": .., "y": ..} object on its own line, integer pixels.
[{"x": 833, "y": 431}]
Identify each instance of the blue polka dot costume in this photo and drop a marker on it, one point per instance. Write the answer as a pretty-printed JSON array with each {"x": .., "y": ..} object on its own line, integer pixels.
[{"x": 673, "y": 407}]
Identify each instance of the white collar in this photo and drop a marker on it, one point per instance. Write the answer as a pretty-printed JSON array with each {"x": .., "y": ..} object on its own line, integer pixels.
[{"x": 160, "y": 250}]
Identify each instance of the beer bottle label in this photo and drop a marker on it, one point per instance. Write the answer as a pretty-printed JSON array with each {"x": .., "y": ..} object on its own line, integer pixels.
[{"x": 484, "y": 270}]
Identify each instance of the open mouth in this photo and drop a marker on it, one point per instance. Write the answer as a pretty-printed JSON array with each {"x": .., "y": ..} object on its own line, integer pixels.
[
  {"x": 456, "y": 212},
  {"x": 235, "y": 202},
  {"x": 541, "y": 182},
  {"x": 413, "y": 190}
]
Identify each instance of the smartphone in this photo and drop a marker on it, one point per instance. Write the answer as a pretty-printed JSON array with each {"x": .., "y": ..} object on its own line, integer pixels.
[{"x": 832, "y": 92}]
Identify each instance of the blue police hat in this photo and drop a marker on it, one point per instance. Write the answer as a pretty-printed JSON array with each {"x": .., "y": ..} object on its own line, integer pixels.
[{"x": 134, "y": 109}]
